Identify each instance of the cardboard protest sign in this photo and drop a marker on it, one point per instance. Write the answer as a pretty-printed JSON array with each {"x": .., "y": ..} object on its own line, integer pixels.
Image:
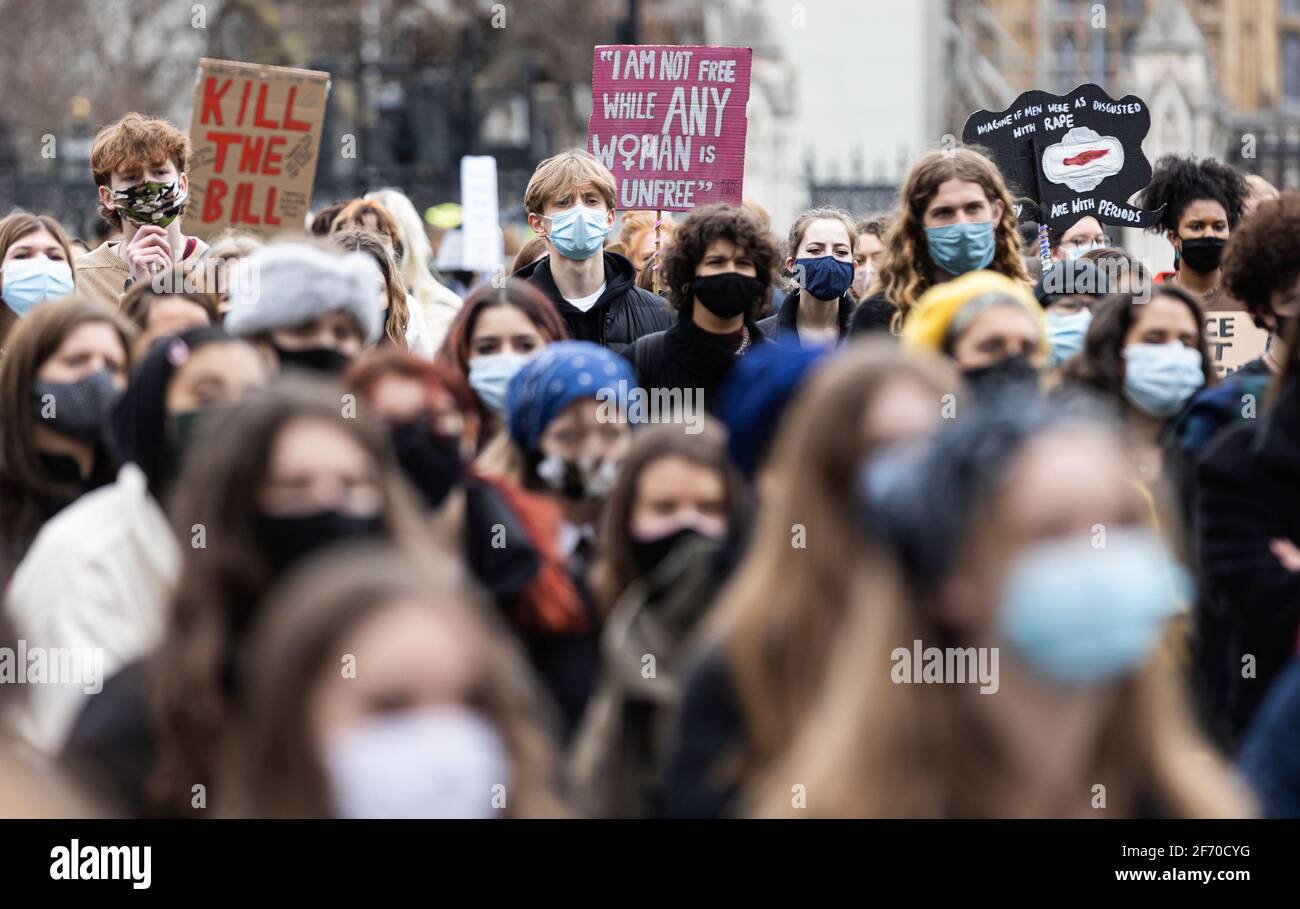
[
  {"x": 669, "y": 122},
  {"x": 1075, "y": 155},
  {"x": 256, "y": 132},
  {"x": 1234, "y": 340}
]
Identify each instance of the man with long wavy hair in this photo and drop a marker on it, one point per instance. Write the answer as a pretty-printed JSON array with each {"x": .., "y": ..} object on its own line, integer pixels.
[{"x": 955, "y": 215}]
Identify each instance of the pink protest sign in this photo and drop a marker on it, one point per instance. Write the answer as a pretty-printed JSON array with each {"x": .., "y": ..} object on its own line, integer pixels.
[{"x": 669, "y": 122}]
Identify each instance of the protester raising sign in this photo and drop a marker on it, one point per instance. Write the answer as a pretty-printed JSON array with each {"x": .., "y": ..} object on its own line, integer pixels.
[
  {"x": 256, "y": 134},
  {"x": 1075, "y": 155},
  {"x": 669, "y": 122}
]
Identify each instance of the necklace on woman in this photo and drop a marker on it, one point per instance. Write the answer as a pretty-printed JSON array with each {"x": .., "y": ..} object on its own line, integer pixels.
[{"x": 744, "y": 340}]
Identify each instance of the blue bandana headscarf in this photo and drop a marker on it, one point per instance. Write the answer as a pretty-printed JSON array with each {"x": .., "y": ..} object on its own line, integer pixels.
[{"x": 562, "y": 373}]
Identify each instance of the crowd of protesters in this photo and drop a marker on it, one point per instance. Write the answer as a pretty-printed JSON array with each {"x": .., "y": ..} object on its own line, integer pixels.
[{"x": 883, "y": 515}]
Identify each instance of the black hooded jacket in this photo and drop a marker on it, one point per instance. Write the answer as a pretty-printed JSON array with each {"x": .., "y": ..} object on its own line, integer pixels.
[{"x": 623, "y": 313}]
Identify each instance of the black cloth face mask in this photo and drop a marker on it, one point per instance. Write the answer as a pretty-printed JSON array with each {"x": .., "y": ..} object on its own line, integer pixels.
[
  {"x": 1015, "y": 372},
  {"x": 325, "y": 360},
  {"x": 289, "y": 538},
  {"x": 728, "y": 294},
  {"x": 650, "y": 554},
  {"x": 1203, "y": 254},
  {"x": 430, "y": 461}
]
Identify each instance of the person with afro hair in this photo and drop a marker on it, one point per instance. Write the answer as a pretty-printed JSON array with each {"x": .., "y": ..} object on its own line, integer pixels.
[
  {"x": 1203, "y": 201},
  {"x": 1261, "y": 268}
]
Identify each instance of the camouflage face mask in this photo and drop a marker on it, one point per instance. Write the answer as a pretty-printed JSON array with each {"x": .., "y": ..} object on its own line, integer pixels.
[{"x": 149, "y": 202}]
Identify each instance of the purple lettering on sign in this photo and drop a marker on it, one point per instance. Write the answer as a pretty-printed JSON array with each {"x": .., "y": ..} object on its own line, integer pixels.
[{"x": 669, "y": 122}]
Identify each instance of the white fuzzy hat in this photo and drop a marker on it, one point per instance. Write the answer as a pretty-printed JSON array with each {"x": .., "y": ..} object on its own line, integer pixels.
[{"x": 286, "y": 284}]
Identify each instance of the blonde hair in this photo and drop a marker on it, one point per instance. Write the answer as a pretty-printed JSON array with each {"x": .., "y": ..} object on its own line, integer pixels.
[
  {"x": 560, "y": 173},
  {"x": 635, "y": 225},
  {"x": 906, "y": 267},
  {"x": 416, "y": 248}
]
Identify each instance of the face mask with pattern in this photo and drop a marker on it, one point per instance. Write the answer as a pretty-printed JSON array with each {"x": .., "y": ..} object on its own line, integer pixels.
[{"x": 150, "y": 202}]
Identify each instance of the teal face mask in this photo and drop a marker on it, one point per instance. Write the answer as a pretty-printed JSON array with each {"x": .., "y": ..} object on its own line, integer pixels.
[
  {"x": 1080, "y": 614},
  {"x": 959, "y": 248},
  {"x": 1073, "y": 252},
  {"x": 1065, "y": 332}
]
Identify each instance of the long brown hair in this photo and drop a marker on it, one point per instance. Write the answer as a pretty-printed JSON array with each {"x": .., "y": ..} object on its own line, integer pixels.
[
  {"x": 616, "y": 568},
  {"x": 398, "y": 315},
  {"x": 873, "y": 748},
  {"x": 516, "y": 292},
  {"x": 278, "y": 771},
  {"x": 1100, "y": 365},
  {"x": 776, "y": 619},
  {"x": 24, "y": 482},
  {"x": 906, "y": 269},
  {"x": 224, "y": 574}
]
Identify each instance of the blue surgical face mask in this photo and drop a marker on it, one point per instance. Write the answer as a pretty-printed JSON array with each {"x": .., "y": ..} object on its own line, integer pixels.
[
  {"x": 579, "y": 232},
  {"x": 1065, "y": 332},
  {"x": 1159, "y": 378},
  {"x": 1081, "y": 614},
  {"x": 31, "y": 281},
  {"x": 959, "y": 248},
  {"x": 490, "y": 375},
  {"x": 825, "y": 277},
  {"x": 1073, "y": 252}
]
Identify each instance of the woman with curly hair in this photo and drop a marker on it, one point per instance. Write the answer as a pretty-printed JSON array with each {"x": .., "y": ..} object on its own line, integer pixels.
[
  {"x": 716, "y": 276},
  {"x": 1203, "y": 202},
  {"x": 954, "y": 215}
]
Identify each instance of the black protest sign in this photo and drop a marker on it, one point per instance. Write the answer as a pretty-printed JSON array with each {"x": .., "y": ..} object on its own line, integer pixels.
[{"x": 1076, "y": 155}]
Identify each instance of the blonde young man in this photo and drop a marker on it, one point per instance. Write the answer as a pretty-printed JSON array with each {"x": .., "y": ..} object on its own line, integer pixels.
[
  {"x": 141, "y": 169},
  {"x": 570, "y": 203}
]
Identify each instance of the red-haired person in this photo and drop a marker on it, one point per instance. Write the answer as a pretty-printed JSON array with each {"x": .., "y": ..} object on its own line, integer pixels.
[
  {"x": 141, "y": 170},
  {"x": 497, "y": 331}
]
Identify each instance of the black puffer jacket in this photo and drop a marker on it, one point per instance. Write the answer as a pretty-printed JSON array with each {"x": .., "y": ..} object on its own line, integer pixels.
[
  {"x": 1247, "y": 495},
  {"x": 623, "y": 313}
]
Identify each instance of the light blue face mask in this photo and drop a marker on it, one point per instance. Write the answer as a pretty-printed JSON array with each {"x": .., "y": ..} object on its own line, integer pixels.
[
  {"x": 1081, "y": 615},
  {"x": 959, "y": 248},
  {"x": 1065, "y": 332},
  {"x": 490, "y": 375},
  {"x": 1073, "y": 252},
  {"x": 579, "y": 232},
  {"x": 1159, "y": 378},
  {"x": 31, "y": 281}
]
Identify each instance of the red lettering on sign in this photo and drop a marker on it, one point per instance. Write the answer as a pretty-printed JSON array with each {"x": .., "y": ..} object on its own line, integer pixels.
[
  {"x": 212, "y": 200},
  {"x": 272, "y": 163},
  {"x": 241, "y": 210},
  {"x": 223, "y": 140},
  {"x": 212, "y": 99},
  {"x": 289, "y": 121},
  {"x": 259, "y": 112},
  {"x": 252, "y": 154}
]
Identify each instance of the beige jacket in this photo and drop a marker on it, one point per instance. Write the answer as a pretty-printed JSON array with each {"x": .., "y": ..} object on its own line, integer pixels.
[{"x": 102, "y": 272}]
